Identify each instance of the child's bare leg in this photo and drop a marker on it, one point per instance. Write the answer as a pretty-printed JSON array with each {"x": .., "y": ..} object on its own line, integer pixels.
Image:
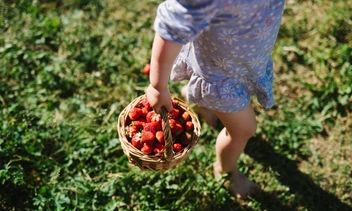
[{"x": 231, "y": 141}]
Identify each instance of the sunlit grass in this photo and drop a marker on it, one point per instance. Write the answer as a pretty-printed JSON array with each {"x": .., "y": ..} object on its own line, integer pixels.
[{"x": 68, "y": 68}]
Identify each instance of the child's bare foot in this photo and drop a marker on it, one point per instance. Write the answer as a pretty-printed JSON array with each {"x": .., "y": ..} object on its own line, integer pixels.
[
  {"x": 209, "y": 116},
  {"x": 238, "y": 184}
]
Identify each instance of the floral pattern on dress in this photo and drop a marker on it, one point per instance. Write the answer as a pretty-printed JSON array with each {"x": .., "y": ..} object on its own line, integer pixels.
[{"x": 229, "y": 36}]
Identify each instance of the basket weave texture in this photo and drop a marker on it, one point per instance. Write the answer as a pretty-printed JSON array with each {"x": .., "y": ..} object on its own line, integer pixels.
[{"x": 170, "y": 159}]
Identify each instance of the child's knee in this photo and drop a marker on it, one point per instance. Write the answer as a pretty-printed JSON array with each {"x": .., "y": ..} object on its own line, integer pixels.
[
  {"x": 250, "y": 129},
  {"x": 242, "y": 124},
  {"x": 242, "y": 132}
]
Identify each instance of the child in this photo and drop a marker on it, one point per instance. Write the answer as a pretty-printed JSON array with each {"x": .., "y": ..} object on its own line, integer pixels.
[{"x": 223, "y": 48}]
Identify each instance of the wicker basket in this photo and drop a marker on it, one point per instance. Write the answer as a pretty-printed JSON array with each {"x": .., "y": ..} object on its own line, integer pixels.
[{"x": 169, "y": 159}]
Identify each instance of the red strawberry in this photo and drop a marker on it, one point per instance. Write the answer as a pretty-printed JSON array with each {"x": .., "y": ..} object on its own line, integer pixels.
[
  {"x": 148, "y": 137},
  {"x": 185, "y": 116},
  {"x": 172, "y": 123},
  {"x": 157, "y": 124},
  {"x": 136, "y": 141},
  {"x": 160, "y": 136},
  {"x": 145, "y": 111},
  {"x": 185, "y": 138},
  {"x": 150, "y": 116},
  {"x": 174, "y": 113},
  {"x": 146, "y": 69},
  {"x": 149, "y": 127},
  {"x": 139, "y": 123},
  {"x": 131, "y": 130},
  {"x": 159, "y": 149},
  {"x": 178, "y": 128},
  {"x": 156, "y": 118},
  {"x": 177, "y": 147},
  {"x": 147, "y": 148},
  {"x": 174, "y": 104},
  {"x": 189, "y": 125},
  {"x": 135, "y": 113},
  {"x": 146, "y": 104}
]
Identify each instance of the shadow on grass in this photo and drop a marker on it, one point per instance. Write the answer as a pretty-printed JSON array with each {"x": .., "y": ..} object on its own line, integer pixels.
[{"x": 312, "y": 196}]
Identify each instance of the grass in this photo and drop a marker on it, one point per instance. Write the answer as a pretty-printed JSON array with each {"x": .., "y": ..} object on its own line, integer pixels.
[{"x": 67, "y": 69}]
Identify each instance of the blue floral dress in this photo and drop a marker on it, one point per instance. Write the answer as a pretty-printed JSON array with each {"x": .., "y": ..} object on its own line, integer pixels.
[{"x": 227, "y": 49}]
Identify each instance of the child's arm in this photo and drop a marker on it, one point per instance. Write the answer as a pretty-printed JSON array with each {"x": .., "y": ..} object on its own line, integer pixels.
[
  {"x": 164, "y": 53},
  {"x": 177, "y": 23}
]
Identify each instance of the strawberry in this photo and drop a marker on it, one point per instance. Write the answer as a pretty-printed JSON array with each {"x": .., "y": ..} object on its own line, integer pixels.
[
  {"x": 189, "y": 125},
  {"x": 146, "y": 69},
  {"x": 160, "y": 136},
  {"x": 174, "y": 113},
  {"x": 134, "y": 113},
  {"x": 145, "y": 111},
  {"x": 178, "y": 128},
  {"x": 185, "y": 138},
  {"x": 131, "y": 130},
  {"x": 147, "y": 148},
  {"x": 149, "y": 127},
  {"x": 172, "y": 123},
  {"x": 177, "y": 147},
  {"x": 148, "y": 137},
  {"x": 139, "y": 123},
  {"x": 155, "y": 119},
  {"x": 185, "y": 116},
  {"x": 150, "y": 115},
  {"x": 136, "y": 141},
  {"x": 174, "y": 104},
  {"x": 157, "y": 123},
  {"x": 159, "y": 149},
  {"x": 146, "y": 104}
]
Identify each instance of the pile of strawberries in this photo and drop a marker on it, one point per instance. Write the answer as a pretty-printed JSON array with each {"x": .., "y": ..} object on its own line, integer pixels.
[{"x": 144, "y": 129}]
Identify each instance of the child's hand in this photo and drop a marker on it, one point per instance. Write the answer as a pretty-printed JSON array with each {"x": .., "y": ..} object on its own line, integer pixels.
[{"x": 159, "y": 98}]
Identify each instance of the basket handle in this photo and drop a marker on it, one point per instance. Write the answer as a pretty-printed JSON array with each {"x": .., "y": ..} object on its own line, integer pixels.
[{"x": 169, "y": 151}]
